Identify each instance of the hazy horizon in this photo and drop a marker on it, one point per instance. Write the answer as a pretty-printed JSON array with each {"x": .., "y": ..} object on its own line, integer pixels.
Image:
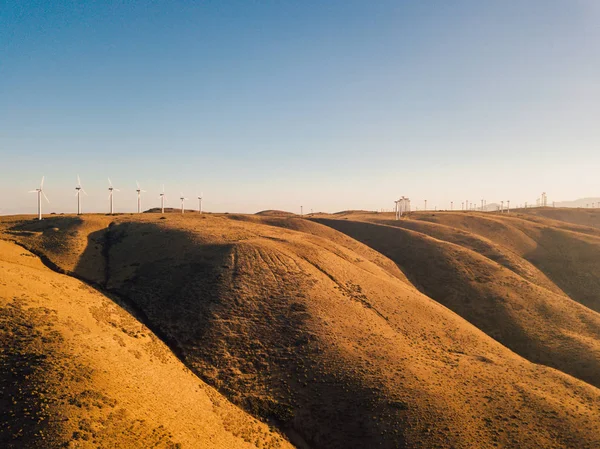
[{"x": 336, "y": 106}]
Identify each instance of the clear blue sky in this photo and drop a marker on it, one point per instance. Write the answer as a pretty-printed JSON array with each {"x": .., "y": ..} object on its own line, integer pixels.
[{"x": 276, "y": 104}]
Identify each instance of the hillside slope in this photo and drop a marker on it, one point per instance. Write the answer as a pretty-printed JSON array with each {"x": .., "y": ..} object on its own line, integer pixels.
[
  {"x": 576, "y": 216},
  {"x": 542, "y": 325},
  {"x": 331, "y": 346},
  {"x": 78, "y": 371},
  {"x": 567, "y": 254}
]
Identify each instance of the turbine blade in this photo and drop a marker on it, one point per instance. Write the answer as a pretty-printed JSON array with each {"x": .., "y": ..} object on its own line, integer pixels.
[
  {"x": 32, "y": 191},
  {"x": 84, "y": 192},
  {"x": 47, "y": 200},
  {"x": 143, "y": 191},
  {"x": 42, "y": 183},
  {"x": 163, "y": 188},
  {"x": 116, "y": 190},
  {"x": 78, "y": 181},
  {"x": 109, "y": 182},
  {"x": 76, "y": 192},
  {"x": 138, "y": 184}
]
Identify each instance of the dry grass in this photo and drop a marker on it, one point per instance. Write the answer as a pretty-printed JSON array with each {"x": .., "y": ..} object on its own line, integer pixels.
[
  {"x": 76, "y": 370},
  {"x": 326, "y": 338}
]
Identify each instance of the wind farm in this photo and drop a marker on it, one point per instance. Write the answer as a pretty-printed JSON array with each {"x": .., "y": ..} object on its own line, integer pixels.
[
  {"x": 387, "y": 232},
  {"x": 402, "y": 206},
  {"x": 360, "y": 275}
]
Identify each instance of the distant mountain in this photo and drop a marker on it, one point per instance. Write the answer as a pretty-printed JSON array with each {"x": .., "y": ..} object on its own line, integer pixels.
[{"x": 581, "y": 202}]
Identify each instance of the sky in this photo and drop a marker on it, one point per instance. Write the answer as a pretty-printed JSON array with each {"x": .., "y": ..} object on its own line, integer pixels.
[{"x": 329, "y": 105}]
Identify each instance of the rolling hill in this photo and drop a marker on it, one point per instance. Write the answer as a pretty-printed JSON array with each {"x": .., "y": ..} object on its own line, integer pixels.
[
  {"x": 77, "y": 370},
  {"x": 337, "y": 344}
]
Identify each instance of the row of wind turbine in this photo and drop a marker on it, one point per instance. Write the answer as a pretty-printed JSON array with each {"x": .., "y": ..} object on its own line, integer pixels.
[{"x": 111, "y": 189}]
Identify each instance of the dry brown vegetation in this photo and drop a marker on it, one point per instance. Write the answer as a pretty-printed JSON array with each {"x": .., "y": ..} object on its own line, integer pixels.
[
  {"x": 355, "y": 332},
  {"x": 79, "y": 371}
]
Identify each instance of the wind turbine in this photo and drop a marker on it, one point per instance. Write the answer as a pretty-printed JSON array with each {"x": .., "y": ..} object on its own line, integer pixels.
[
  {"x": 200, "y": 203},
  {"x": 139, "y": 193},
  {"x": 40, "y": 192},
  {"x": 508, "y": 206},
  {"x": 162, "y": 200},
  {"x": 111, "y": 189},
  {"x": 182, "y": 203},
  {"x": 78, "y": 195}
]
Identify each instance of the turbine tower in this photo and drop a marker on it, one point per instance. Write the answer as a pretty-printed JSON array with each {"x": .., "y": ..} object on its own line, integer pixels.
[
  {"x": 451, "y": 205},
  {"x": 402, "y": 206},
  {"x": 40, "y": 192},
  {"x": 425, "y": 205},
  {"x": 111, "y": 190},
  {"x": 508, "y": 206},
  {"x": 200, "y": 203},
  {"x": 79, "y": 190},
  {"x": 139, "y": 195},
  {"x": 182, "y": 198},
  {"x": 162, "y": 200}
]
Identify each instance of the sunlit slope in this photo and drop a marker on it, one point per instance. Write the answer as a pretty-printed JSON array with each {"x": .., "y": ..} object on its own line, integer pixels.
[
  {"x": 331, "y": 346},
  {"x": 577, "y": 216},
  {"x": 68, "y": 241},
  {"x": 339, "y": 238},
  {"x": 570, "y": 259},
  {"x": 543, "y": 326},
  {"x": 481, "y": 245},
  {"x": 78, "y": 371}
]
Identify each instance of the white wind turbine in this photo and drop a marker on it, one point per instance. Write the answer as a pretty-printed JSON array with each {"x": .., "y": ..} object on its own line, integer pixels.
[
  {"x": 111, "y": 189},
  {"x": 79, "y": 191},
  {"x": 182, "y": 203},
  {"x": 40, "y": 192},
  {"x": 199, "y": 203},
  {"x": 162, "y": 200},
  {"x": 139, "y": 195}
]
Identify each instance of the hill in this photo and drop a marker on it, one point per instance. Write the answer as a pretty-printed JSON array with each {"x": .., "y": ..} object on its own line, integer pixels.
[
  {"x": 579, "y": 203},
  {"x": 507, "y": 298},
  {"x": 302, "y": 326},
  {"x": 275, "y": 213},
  {"x": 77, "y": 370},
  {"x": 582, "y": 217}
]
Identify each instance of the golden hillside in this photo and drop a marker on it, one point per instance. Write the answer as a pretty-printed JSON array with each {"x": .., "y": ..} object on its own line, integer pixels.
[
  {"x": 79, "y": 371},
  {"x": 327, "y": 339}
]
